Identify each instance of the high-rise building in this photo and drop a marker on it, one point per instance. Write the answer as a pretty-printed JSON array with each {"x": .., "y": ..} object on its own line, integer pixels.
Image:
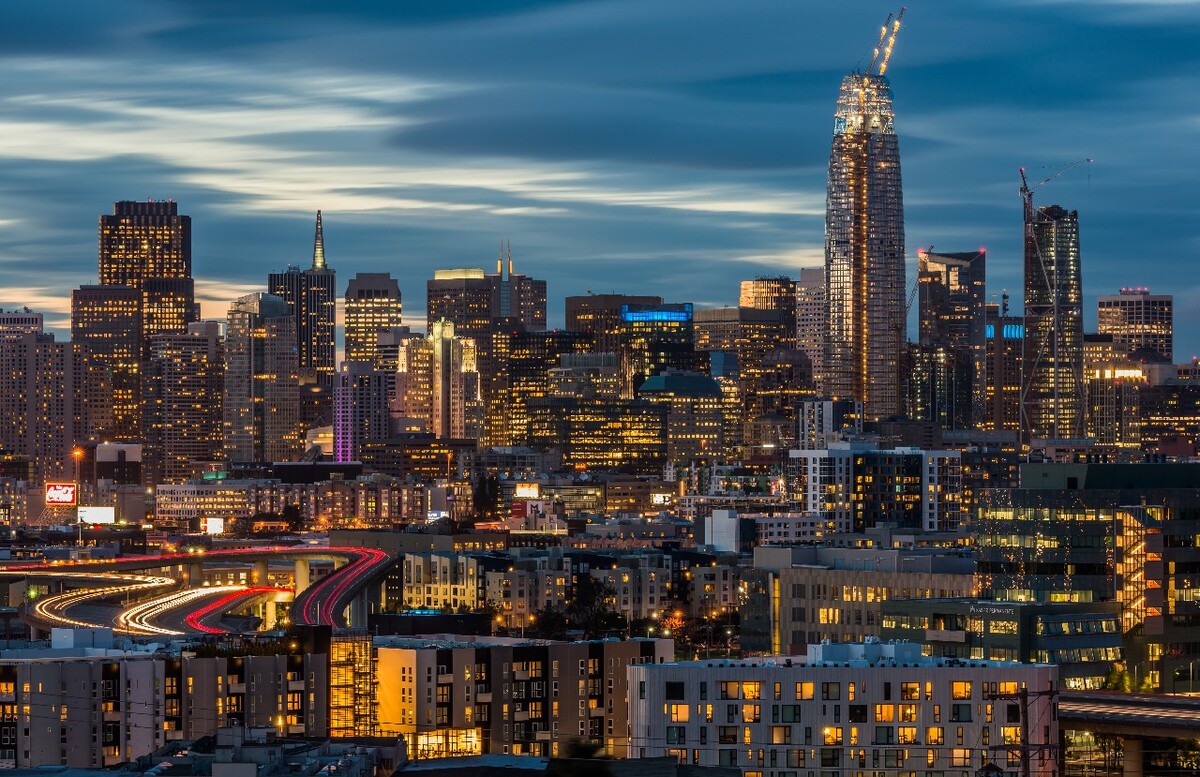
[
  {"x": 812, "y": 317},
  {"x": 261, "y": 406},
  {"x": 655, "y": 339},
  {"x": 312, "y": 298},
  {"x": 1138, "y": 321},
  {"x": 951, "y": 297},
  {"x": 373, "y": 305},
  {"x": 772, "y": 294},
  {"x": 46, "y": 407},
  {"x": 1052, "y": 397},
  {"x": 360, "y": 408},
  {"x": 148, "y": 246},
  {"x": 107, "y": 322},
  {"x": 600, "y": 316},
  {"x": 531, "y": 358},
  {"x": 437, "y": 384},
  {"x": 184, "y": 387},
  {"x": 1004, "y": 336},
  {"x": 864, "y": 249},
  {"x": 694, "y": 414},
  {"x": 21, "y": 322}
]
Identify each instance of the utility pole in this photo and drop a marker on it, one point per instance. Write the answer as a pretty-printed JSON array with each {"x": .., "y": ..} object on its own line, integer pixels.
[{"x": 1024, "y": 747}]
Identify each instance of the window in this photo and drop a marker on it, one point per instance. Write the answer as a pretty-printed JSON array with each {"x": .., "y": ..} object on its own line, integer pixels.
[
  {"x": 910, "y": 691},
  {"x": 729, "y": 689},
  {"x": 960, "y": 713},
  {"x": 751, "y": 713},
  {"x": 960, "y": 689},
  {"x": 795, "y": 758},
  {"x": 673, "y": 692},
  {"x": 676, "y": 735},
  {"x": 935, "y": 735},
  {"x": 885, "y": 735},
  {"x": 678, "y": 712},
  {"x": 906, "y": 735},
  {"x": 1011, "y": 735},
  {"x": 831, "y": 758},
  {"x": 790, "y": 713},
  {"x": 885, "y": 713},
  {"x": 960, "y": 756},
  {"x": 752, "y": 690},
  {"x": 781, "y": 735},
  {"x": 727, "y": 735},
  {"x": 804, "y": 691},
  {"x": 908, "y": 713},
  {"x": 831, "y": 691},
  {"x": 727, "y": 757},
  {"x": 832, "y": 735}
]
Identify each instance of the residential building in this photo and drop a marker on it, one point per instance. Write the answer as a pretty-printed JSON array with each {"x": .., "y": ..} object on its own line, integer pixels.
[
  {"x": 185, "y": 380},
  {"x": 361, "y": 410}
]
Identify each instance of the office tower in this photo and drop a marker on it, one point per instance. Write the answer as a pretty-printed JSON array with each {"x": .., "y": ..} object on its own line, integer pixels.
[
  {"x": 184, "y": 388},
  {"x": 864, "y": 249},
  {"x": 1113, "y": 384},
  {"x": 951, "y": 295},
  {"x": 694, "y": 414},
  {"x": 143, "y": 244},
  {"x": 372, "y": 306},
  {"x": 1052, "y": 396},
  {"x": 1138, "y": 321},
  {"x": 772, "y": 294},
  {"x": 1004, "y": 337},
  {"x": 626, "y": 436},
  {"x": 437, "y": 384},
  {"x": 600, "y": 316},
  {"x": 473, "y": 300},
  {"x": 46, "y": 405},
  {"x": 360, "y": 408},
  {"x": 261, "y": 405},
  {"x": 107, "y": 322},
  {"x": 531, "y": 357},
  {"x": 490, "y": 309},
  {"x": 312, "y": 298},
  {"x": 654, "y": 339},
  {"x": 812, "y": 317}
]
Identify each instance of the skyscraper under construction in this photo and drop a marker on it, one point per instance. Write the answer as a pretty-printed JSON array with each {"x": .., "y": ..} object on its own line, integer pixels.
[{"x": 864, "y": 243}]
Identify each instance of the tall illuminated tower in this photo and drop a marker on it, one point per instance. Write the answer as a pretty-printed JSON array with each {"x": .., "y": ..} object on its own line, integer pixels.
[
  {"x": 373, "y": 305},
  {"x": 311, "y": 296},
  {"x": 864, "y": 244}
]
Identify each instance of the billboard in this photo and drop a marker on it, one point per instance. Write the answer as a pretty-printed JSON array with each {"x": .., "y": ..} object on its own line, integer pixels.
[
  {"x": 60, "y": 494},
  {"x": 97, "y": 514},
  {"x": 526, "y": 491},
  {"x": 213, "y": 525}
]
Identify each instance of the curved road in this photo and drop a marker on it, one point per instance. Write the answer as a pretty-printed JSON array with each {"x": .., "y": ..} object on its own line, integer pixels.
[{"x": 322, "y": 603}]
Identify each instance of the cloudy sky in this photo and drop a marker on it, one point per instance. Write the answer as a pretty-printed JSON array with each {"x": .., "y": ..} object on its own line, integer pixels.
[{"x": 660, "y": 146}]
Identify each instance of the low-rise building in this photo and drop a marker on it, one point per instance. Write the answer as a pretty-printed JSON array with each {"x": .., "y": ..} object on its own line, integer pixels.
[{"x": 847, "y": 708}]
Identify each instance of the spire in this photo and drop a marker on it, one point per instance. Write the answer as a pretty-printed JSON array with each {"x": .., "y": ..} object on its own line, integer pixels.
[
  {"x": 509, "y": 258},
  {"x": 500, "y": 259},
  {"x": 319, "y": 246}
]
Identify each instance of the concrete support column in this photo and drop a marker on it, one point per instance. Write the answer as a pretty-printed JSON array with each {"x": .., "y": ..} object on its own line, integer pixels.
[
  {"x": 195, "y": 575},
  {"x": 270, "y": 615},
  {"x": 358, "y": 611},
  {"x": 260, "y": 572},
  {"x": 1131, "y": 766},
  {"x": 303, "y": 576}
]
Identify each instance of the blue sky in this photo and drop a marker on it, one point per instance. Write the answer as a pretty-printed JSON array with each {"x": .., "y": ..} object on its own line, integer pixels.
[{"x": 660, "y": 146}]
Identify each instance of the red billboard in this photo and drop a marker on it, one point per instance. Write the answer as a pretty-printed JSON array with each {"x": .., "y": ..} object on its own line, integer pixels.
[{"x": 61, "y": 494}]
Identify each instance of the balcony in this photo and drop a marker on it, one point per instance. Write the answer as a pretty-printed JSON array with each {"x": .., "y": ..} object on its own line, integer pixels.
[{"x": 945, "y": 635}]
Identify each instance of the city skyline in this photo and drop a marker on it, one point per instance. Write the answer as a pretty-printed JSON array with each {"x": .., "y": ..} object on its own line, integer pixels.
[{"x": 694, "y": 160}]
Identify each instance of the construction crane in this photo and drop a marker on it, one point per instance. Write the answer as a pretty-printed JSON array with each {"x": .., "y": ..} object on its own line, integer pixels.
[
  {"x": 1027, "y": 190},
  {"x": 891, "y": 42}
]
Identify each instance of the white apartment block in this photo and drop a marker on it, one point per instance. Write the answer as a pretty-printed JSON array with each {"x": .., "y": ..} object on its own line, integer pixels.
[{"x": 879, "y": 709}]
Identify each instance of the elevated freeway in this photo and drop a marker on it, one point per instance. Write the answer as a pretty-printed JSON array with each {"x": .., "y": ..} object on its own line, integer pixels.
[{"x": 97, "y": 580}]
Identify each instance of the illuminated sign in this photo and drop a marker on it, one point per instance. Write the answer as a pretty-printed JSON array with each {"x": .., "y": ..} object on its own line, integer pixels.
[
  {"x": 97, "y": 515},
  {"x": 61, "y": 494},
  {"x": 660, "y": 316},
  {"x": 526, "y": 491},
  {"x": 661, "y": 499},
  {"x": 214, "y": 525}
]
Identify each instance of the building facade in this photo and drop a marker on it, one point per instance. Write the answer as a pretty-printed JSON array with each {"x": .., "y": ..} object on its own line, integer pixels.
[
  {"x": 1138, "y": 321},
  {"x": 312, "y": 298},
  {"x": 373, "y": 305}
]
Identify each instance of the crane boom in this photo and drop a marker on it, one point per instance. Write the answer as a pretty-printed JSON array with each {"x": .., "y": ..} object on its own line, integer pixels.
[
  {"x": 879, "y": 45},
  {"x": 887, "y": 52}
]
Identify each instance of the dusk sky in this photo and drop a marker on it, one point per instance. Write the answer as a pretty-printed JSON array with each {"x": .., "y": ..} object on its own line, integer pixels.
[{"x": 644, "y": 146}]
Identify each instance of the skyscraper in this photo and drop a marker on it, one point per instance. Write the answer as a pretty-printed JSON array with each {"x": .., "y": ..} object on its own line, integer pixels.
[
  {"x": 261, "y": 405},
  {"x": 106, "y": 321},
  {"x": 812, "y": 317},
  {"x": 1004, "y": 335},
  {"x": 600, "y": 316},
  {"x": 1053, "y": 393},
  {"x": 184, "y": 386},
  {"x": 1138, "y": 321},
  {"x": 360, "y": 408},
  {"x": 772, "y": 294},
  {"x": 951, "y": 346},
  {"x": 438, "y": 383},
  {"x": 864, "y": 247},
  {"x": 373, "y": 305},
  {"x": 148, "y": 246},
  {"x": 311, "y": 296}
]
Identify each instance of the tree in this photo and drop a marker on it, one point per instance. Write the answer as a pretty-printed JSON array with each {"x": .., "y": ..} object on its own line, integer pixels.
[
  {"x": 292, "y": 516},
  {"x": 590, "y": 609}
]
